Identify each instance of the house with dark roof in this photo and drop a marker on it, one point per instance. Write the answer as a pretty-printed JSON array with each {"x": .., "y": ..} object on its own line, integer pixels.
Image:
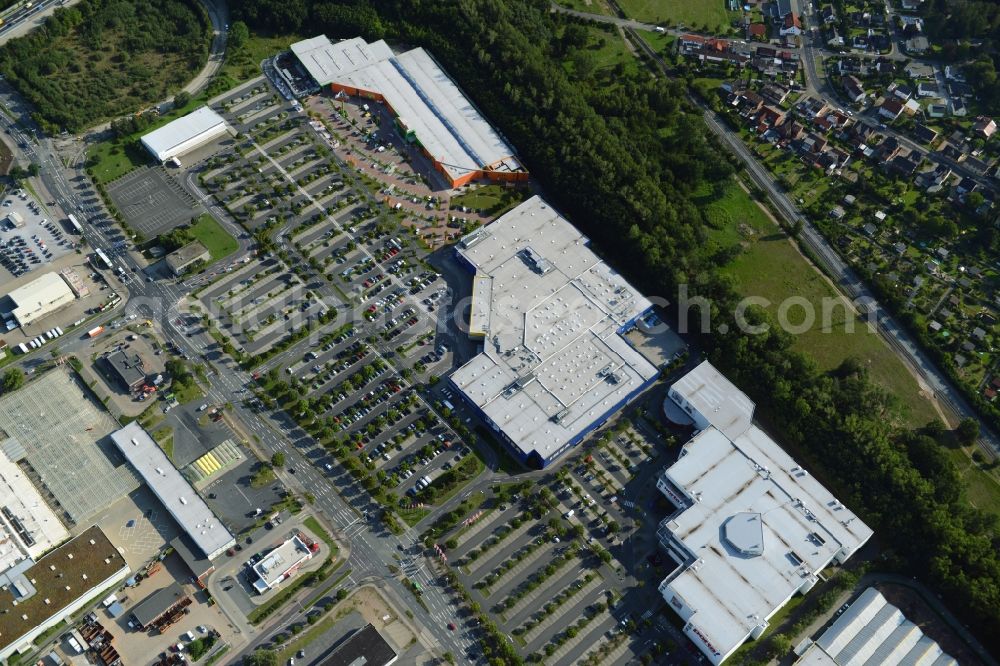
[
  {"x": 924, "y": 134},
  {"x": 855, "y": 91},
  {"x": 891, "y": 108}
]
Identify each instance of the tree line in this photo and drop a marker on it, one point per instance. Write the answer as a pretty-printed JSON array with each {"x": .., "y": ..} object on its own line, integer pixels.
[{"x": 622, "y": 155}]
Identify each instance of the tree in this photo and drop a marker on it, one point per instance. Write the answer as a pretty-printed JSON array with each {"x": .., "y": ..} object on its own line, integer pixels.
[
  {"x": 278, "y": 459},
  {"x": 239, "y": 34},
  {"x": 967, "y": 431},
  {"x": 12, "y": 380}
]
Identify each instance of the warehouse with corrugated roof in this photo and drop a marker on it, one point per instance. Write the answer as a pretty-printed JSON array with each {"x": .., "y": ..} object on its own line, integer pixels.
[{"x": 430, "y": 109}]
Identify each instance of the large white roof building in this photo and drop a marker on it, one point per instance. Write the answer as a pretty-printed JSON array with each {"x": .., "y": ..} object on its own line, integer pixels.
[
  {"x": 184, "y": 134},
  {"x": 430, "y": 109},
  {"x": 174, "y": 492},
  {"x": 40, "y": 297},
  {"x": 551, "y": 315},
  {"x": 752, "y": 528},
  {"x": 873, "y": 632}
]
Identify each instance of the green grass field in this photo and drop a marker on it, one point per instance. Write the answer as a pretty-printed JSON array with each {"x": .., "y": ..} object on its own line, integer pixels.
[
  {"x": 493, "y": 199},
  {"x": 690, "y": 13},
  {"x": 244, "y": 64},
  {"x": 114, "y": 158},
  {"x": 215, "y": 239},
  {"x": 771, "y": 267},
  {"x": 589, "y": 6}
]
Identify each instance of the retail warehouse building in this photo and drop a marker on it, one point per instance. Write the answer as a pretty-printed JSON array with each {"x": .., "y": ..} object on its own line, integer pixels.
[
  {"x": 751, "y": 528},
  {"x": 429, "y": 109},
  {"x": 551, "y": 315},
  {"x": 190, "y": 512},
  {"x": 185, "y": 134}
]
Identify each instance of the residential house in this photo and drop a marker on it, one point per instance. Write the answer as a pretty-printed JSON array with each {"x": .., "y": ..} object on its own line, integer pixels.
[
  {"x": 891, "y": 108},
  {"x": 958, "y": 107},
  {"x": 837, "y": 212},
  {"x": 935, "y": 179},
  {"x": 757, "y": 31},
  {"x": 834, "y": 39},
  {"x": 953, "y": 73},
  {"x": 911, "y": 5},
  {"x": 792, "y": 25},
  {"x": 936, "y": 110},
  {"x": 769, "y": 117},
  {"x": 952, "y": 152},
  {"x": 879, "y": 41},
  {"x": 912, "y": 107},
  {"x": 919, "y": 70},
  {"x": 828, "y": 15},
  {"x": 912, "y": 25},
  {"x": 860, "y": 42},
  {"x": 899, "y": 90},
  {"x": 775, "y": 94},
  {"x": 928, "y": 89},
  {"x": 924, "y": 134},
  {"x": 850, "y": 65},
  {"x": 777, "y": 10},
  {"x": 811, "y": 108},
  {"x": 905, "y": 165},
  {"x": 960, "y": 89},
  {"x": 917, "y": 45},
  {"x": 791, "y": 131},
  {"x": 977, "y": 165},
  {"x": 985, "y": 127},
  {"x": 885, "y": 66},
  {"x": 855, "y": 91}
]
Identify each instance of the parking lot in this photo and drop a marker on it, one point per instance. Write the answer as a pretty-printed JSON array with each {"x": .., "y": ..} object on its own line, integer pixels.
[
  {"x": 151, "y": 202},
  {"x": 29, "y": 239},
  {"x": 258, "y": 305},
  {"x": 557, "y": 562}
]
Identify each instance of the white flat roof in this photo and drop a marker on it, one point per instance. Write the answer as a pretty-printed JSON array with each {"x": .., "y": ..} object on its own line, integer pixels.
[
  {"x": 716, "y": 398},
  {"x": 421, "y": 94},
  {"x": 276, "y": 564},
  {"x": 873, "y": 631},
  {"x": 169, "y": 140},
  {"x": 40, "y": 528},
  {"x": 553, "y": 362},
  {"x": 176, "y": 494},
  {"x": 325, "y": 61},
  {"x": 743, "y": 494},
  {"x": 43, "y": 295}
]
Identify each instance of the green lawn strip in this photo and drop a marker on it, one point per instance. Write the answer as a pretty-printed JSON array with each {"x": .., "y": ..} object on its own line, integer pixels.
[
  {"x": 312, "y": 524},
  {"x": 769, "y": 266},
  {"x": 217, "y": 241},
  {"x": 164, "y": 437},
  {"x": 692, "y": 13},
  {"x": 219, "y": 654},
  {"x": 412, "y": 516}
]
